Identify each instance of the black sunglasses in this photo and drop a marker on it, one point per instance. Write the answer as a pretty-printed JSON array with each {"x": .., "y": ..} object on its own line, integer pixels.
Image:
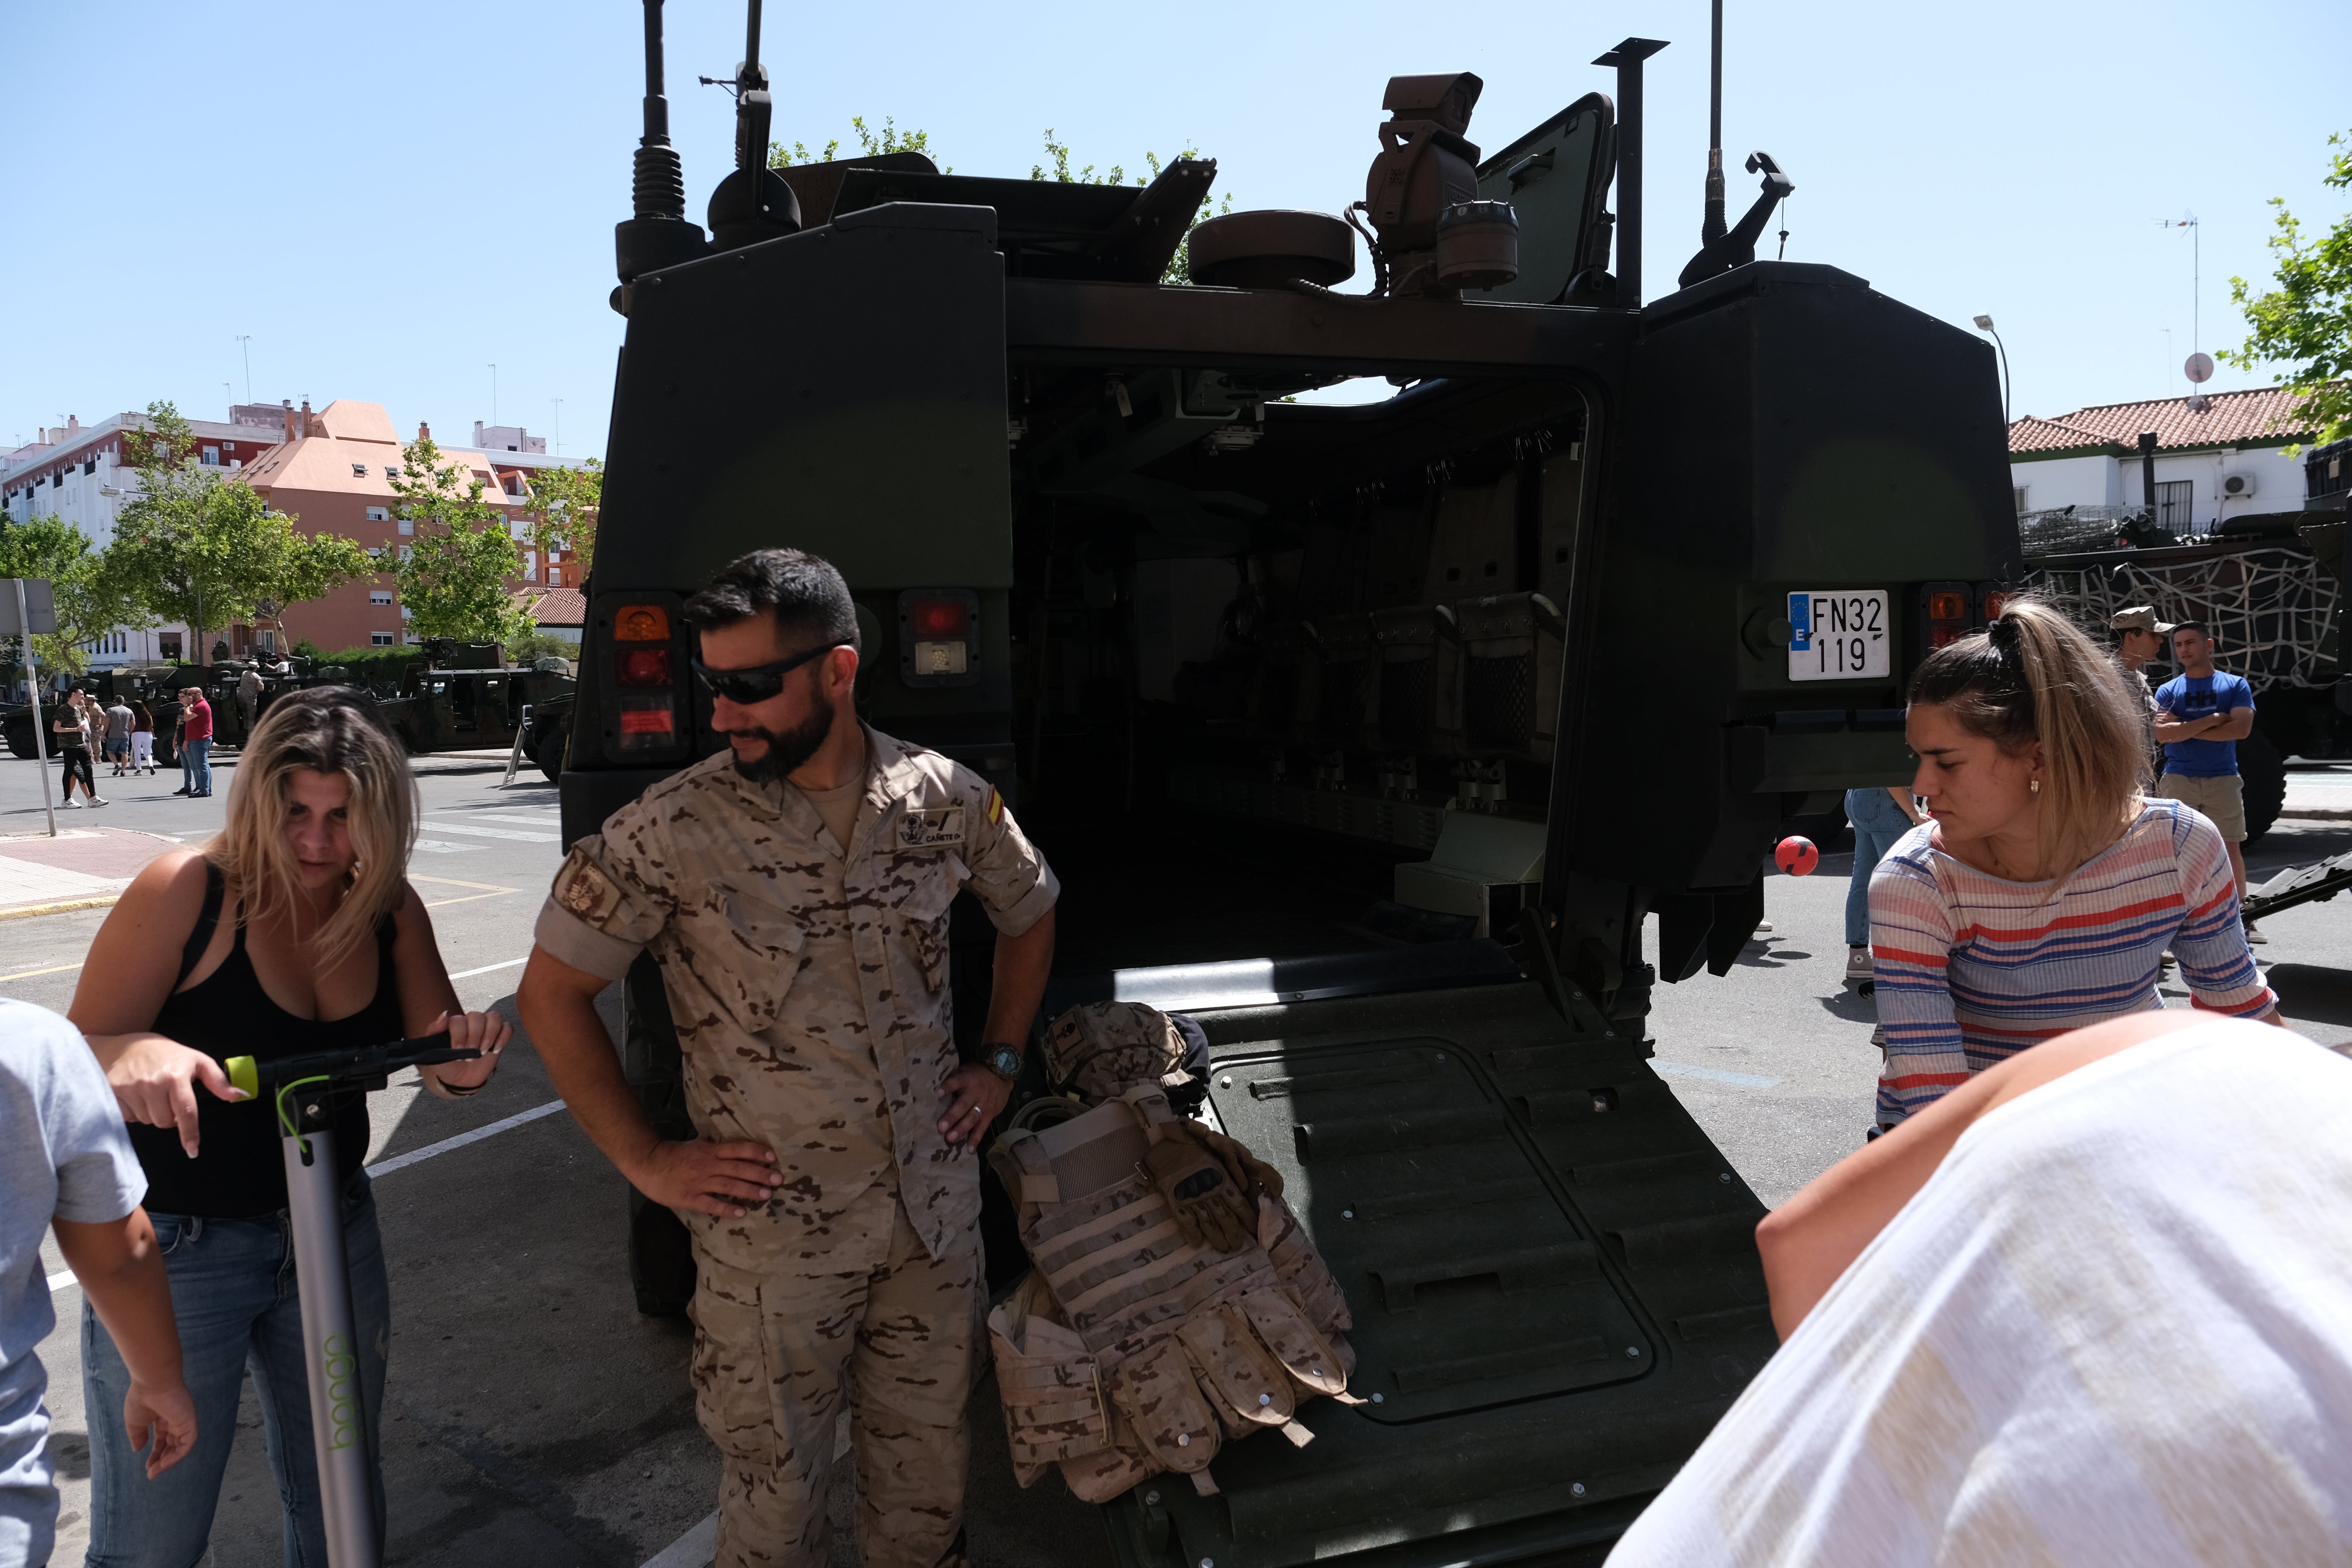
[{"x": 759, "y": 681}]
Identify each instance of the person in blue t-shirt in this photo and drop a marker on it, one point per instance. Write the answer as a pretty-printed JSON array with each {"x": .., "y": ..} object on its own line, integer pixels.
[{"x": 2205, "y": 713}]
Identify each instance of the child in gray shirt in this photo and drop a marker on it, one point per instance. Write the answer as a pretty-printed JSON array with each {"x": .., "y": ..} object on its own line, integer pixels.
[{"x": 65, "y": 1159}]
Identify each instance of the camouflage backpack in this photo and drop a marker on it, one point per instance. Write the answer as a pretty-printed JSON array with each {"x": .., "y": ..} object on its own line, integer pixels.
[{"x": 1102, "y": 1050}]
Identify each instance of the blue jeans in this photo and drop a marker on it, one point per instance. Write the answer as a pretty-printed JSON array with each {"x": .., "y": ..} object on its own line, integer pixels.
[
  {"x": 1878, "y": 822},
  {"x": 233, "y": 1290},
  {"x": 198, "y": 760}
]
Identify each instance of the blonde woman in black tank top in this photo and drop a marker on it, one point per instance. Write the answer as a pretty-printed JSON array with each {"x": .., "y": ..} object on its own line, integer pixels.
[{"x": 294, "y": 931}]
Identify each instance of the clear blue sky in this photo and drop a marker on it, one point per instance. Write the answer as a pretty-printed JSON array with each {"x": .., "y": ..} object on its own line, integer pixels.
[{"x": 389, "y": 198}]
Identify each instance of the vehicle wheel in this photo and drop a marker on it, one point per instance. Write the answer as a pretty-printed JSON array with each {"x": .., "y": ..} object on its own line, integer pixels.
[
  {"x": 2263, "y": 776},
  {"x": 550, "y": 756},
  {"x": 20, "y": 740}
]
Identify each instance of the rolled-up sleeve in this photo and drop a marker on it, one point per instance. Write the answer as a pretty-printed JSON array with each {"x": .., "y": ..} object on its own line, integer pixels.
[
  {"x": 1008, "y": 874},
  {"x": 607, "y": 903}
]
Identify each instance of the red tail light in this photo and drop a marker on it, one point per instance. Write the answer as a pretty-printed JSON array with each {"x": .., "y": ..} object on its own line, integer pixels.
[
  {"x": 642, "y": 666},
  {"x": 1993, "y": 604},
  {"x": 1947, "y": 605},
  {"x": 939, "y": 617}
]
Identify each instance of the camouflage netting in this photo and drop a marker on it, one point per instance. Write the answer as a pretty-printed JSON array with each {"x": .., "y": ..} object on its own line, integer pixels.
[
  {"x": 2065, "y": 529},
  {"x": 2272, "y": 608}
]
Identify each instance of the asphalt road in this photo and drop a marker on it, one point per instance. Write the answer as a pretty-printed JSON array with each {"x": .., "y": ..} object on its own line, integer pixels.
[{"x": 535, "y": 1419}]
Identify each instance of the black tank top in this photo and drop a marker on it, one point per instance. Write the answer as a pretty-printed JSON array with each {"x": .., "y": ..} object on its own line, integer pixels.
[{"x": 240, "y": 1171}]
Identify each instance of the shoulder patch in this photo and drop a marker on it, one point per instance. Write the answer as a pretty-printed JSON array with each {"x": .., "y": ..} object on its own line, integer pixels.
[
  {"x": 583, "y": 887},
  {"x": 923, "y": 829},
  {"x": 995, "y": 808}
]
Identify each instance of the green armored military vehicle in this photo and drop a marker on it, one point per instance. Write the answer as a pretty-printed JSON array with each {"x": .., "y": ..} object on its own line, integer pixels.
[
  {"x": 465, "y": 697},
  {"x": 1374, "y": 736}
]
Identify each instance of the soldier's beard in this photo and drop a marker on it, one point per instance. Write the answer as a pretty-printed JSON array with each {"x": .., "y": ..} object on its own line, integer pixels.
[{"x": 787, "y": 749}]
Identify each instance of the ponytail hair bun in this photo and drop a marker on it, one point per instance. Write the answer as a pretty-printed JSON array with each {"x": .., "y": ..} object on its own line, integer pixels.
[{"x": 2034, "y": 676}]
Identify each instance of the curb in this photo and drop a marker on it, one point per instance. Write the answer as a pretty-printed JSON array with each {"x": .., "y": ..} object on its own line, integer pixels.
[
  {"x": 69, "y": 907},
  {"x": 2319, "y": 814}
]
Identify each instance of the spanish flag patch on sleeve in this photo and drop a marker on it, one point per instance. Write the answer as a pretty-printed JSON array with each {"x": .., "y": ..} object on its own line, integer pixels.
[{"x": 995, "y": 808}]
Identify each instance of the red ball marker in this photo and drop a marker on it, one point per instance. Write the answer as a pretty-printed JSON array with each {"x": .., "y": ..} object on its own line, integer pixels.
[{"x": 1796, "y": 856}]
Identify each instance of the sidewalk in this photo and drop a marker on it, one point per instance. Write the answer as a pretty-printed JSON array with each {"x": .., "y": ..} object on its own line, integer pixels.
[
  {"x": 83, "y": 868},
  {"x": 2322, "y": 794}
]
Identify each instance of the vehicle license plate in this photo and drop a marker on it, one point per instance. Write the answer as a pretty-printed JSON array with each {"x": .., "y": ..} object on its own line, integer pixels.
[{"x": 1842, "y": 634}]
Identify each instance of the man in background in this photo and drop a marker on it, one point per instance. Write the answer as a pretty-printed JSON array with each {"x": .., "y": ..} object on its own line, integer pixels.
[
  {"x": 2205, "y": 713},
  {"x": 195, "y": 742},
  {"x": 118, "y": 735}
]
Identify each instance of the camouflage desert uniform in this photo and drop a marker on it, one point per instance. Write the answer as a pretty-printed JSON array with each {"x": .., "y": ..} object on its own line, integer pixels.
[{"x": 810, "y": 990}]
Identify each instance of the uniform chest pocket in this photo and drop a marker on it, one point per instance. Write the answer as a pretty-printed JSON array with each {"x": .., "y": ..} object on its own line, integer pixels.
[
  {"x": 922, "y": 918},
  {"x": 747, "y": 957}
]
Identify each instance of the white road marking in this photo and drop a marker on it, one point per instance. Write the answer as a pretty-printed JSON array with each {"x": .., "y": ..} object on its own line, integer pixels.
[
  {"x": 504, "y": 1124},
  {"x": 694, "y": 1549},
  {"x": 536, "y": 818},
  {"x": 461, "y": 974},
  {"x": 1713, "y": 1075},
  {"x": 442, "y": 847},
  {"x": 441, "y": 825},
  {"x": 64, "y": 1277}
]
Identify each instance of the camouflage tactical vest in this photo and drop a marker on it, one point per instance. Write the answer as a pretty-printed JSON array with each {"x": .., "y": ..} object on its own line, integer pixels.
[{"x": 1128, "y": 1350}]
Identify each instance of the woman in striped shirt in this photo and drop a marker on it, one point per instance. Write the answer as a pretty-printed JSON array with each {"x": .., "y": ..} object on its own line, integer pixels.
[{"x": 2044, "y": 887}]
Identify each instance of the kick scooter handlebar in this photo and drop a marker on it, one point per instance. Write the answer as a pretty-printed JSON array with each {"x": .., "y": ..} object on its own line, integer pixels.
[{"x": 364, "y": 1067}]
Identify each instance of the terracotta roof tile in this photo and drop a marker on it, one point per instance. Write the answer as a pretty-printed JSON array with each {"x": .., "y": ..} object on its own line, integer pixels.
[
  {"x": 2229, "y": 418},
  {"x": 555, "y": 607}
]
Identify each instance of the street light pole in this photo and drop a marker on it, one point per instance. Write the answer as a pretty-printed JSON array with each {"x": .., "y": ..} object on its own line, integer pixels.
[
  {"x": 1984, "y": 324},
  {"x": 245, "y": 342}
]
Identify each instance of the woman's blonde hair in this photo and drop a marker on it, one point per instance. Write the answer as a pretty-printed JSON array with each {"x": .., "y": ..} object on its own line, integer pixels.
[
  {"x": 332, "y": 730},
  {"x": 2034, "y": 676}
]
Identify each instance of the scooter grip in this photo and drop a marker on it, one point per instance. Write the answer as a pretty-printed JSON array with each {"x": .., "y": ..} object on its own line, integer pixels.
[{"x": 244, "y": 1074}]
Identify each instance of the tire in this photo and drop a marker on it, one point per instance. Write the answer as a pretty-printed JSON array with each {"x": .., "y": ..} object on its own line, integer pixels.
[
  {"x": 20, "y": 740},
  {"x": 550, "y": 756},
  {"x": 2262, "y": 773}
]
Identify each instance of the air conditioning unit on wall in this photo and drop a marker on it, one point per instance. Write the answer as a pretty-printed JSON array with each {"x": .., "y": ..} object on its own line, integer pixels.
[{"x": 2237, "y": 486}]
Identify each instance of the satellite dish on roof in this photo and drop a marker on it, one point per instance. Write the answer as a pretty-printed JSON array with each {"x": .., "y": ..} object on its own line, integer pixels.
[{"x": 2198, "y": 367}]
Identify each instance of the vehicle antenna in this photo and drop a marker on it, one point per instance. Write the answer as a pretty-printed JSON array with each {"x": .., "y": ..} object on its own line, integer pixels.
[
  {"x": 658, "y": 232},
  {"x": 1784, "y": 230},
  {"x": 1711, "y": 227},
  {"x": 753, "y": 107}
]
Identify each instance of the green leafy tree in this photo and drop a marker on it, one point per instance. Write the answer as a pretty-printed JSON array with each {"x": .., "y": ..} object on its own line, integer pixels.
[
  {"x": 457, "y": 572},
  {"x": 200, "y": 546},
  {"x": 562, "y": 512},
  {"x": 89, "y": 593},
  {"x": 890, "y": 138},
  {"x": 2306, "y": 320}
]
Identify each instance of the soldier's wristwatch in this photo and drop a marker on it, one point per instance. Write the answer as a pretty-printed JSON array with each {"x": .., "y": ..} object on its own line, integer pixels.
[{"x": 1004, "y": 1061}]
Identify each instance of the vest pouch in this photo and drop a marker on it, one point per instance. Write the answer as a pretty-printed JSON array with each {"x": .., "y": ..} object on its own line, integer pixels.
[
  {"x": 1247, "y": 1385},
  {"x": 1102, "y": 1476},
  {"x": 1298, "y": 1266},
  {"x": 1282, "y": 1327},
  {"x": 1050, "y": 1385},
  {"x": 1171, "y": 1416}
]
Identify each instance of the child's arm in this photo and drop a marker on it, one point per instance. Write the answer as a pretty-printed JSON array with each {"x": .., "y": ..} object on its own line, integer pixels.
[{"x": 122, "y": 1274}]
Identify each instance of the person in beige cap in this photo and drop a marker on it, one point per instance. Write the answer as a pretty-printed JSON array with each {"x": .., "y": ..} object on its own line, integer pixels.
[{"x": 2139, "y": 638}]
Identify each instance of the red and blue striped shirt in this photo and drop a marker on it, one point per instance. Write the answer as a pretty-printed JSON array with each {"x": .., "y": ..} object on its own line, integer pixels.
[{"x": 1971, "y": 969}]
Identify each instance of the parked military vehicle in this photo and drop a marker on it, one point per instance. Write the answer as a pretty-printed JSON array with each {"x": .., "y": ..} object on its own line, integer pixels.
[
  {"x": 1532, "y": 658},
  {"x": 466, "y": 698},
  {"x": 2272, "y": 587}
]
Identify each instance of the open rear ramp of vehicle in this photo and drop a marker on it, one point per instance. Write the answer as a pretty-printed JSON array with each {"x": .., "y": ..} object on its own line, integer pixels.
[{"x": 1552, "y": 1272}]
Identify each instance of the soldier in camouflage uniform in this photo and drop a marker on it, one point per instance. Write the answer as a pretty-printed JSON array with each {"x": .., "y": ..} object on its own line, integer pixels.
[{"x": 795, "y": 893}]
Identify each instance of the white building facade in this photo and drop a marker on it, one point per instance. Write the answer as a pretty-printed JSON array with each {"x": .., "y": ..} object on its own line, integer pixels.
[{"x": 2217, "y": 456}]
